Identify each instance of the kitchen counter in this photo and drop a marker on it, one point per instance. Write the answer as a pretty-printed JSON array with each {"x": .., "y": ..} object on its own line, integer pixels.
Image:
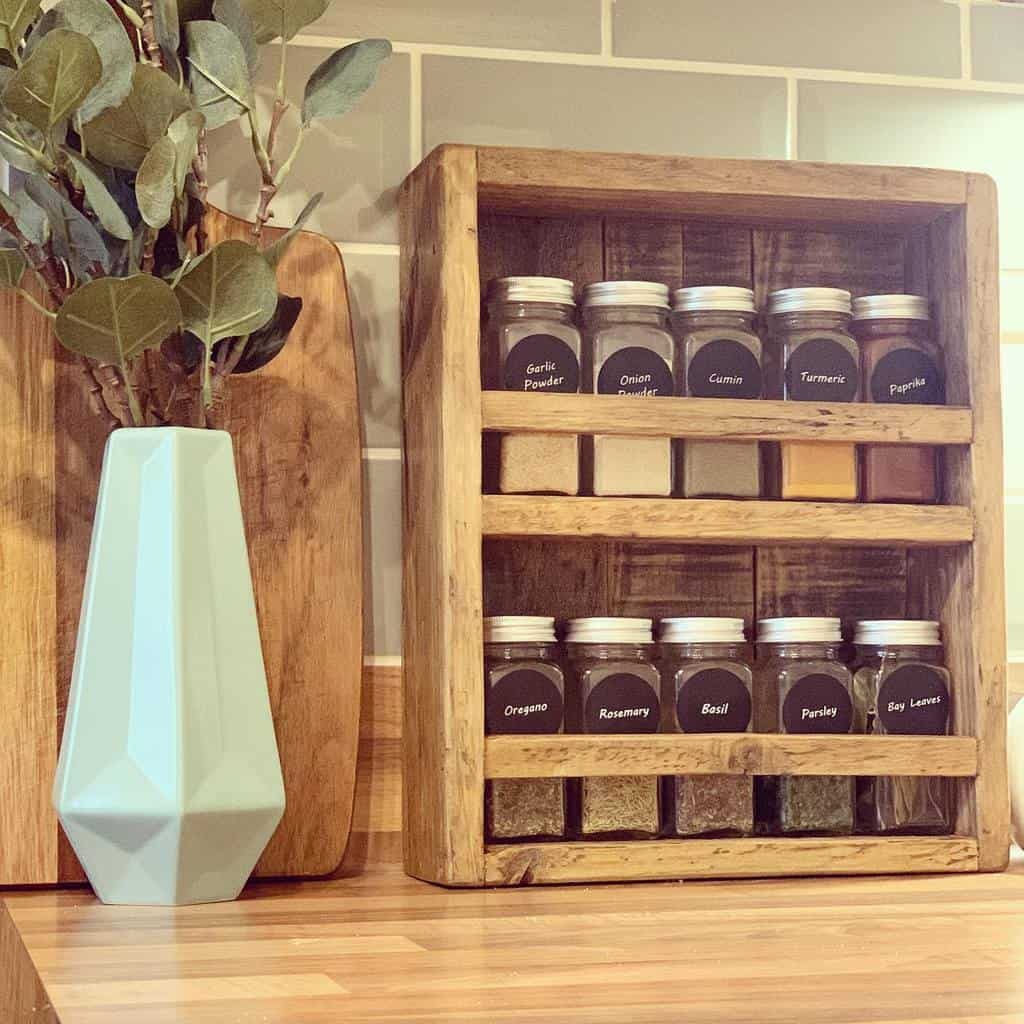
[{"x": 381, "y": 947}]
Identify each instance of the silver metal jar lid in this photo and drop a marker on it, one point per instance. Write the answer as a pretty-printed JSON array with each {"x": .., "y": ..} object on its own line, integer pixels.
[
  {"x": 809, "y": 300},
  {"x": 713, "y": 297},
  {"x": 609, "y": 630},
  {"x": 519, "y": 629},
  {"x": 898, "y": 633},
  {"x": 531, "y": 289},
  {"x": 891, "y": 307},
  {"x": 798, "y": 629},
  {"x": 626, "y": 293},
  {"x": 693, "y": 629}
]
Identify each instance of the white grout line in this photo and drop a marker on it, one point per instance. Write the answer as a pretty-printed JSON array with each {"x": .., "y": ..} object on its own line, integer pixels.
[
  {"x": 966, "y": 58},
  {"x": 607, "y": 46},
  {"x": 792, "y": 113},
  {"x": 416, "y": 107},
  {"x": 382, "y": 661},
  {"x": 692, "y": 66},
  {"x": 382, "y": 454},
  {"x": 369, "y": 248}
]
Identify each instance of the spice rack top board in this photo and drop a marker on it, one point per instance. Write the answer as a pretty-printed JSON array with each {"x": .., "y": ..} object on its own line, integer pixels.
[{"x": 469, "y": 214}]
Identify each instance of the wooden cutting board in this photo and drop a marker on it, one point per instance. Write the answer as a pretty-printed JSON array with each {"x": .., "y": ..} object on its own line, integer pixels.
[{"x": 298, "y": 448}]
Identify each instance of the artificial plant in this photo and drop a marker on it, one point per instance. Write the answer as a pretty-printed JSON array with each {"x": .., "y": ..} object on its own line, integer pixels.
[{"x": 105, "y": 106}]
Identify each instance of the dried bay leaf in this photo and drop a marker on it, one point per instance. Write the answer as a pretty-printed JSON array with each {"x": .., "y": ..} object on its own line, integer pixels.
[
  {"x": 15, "y": 18},
  {"x": 274, "y": 18},
  {"x": 62, "y": 70},
  {"x": 103, "y": 204},
  {"x": 336, "y": 85},
  {"x": 233, "y": 15},
  {"x": 154, "y": 185},
  {"x": 114, "y": 319},
  {"x": 97, "y": 20},
  {"x": 123, "y": 135},
  {"x": 219, "y": 75}
]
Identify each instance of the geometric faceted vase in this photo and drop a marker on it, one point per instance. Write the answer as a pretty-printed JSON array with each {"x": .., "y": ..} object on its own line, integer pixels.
[{"x": 169, "y": 782}]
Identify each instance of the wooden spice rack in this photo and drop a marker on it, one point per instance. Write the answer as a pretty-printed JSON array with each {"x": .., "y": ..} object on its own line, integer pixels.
[{"x": 469, "y": 214}]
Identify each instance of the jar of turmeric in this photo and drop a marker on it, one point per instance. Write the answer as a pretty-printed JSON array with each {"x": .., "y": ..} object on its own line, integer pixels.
[
  {"x": 901, "y": 364},
  {"x": 816, "y": 360}
]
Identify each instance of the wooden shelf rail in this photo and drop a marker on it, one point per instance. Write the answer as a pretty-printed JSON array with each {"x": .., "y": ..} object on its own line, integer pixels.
[
  {"x": 541, "y": 757},
  {"x": 726, "y": 419}
]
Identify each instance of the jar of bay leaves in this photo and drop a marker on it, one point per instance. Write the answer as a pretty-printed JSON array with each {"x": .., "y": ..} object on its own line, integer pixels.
[
  {"x": 900, "y": 687},
  {"x": 802, "y": 687},
  {"x": 618, "y": 691},
  {"x": 524, "y": 692},
  {"x": 706, "y": 687}
]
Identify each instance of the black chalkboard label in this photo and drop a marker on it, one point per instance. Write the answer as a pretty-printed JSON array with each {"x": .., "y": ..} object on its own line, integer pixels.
[
  {"x": 914, "y": 700},
  {"x": 817, "y": 703},
  {"x": 523, "y": 701},
  {"x": 635, "y": 371},
  {"x": 907, "y": 376},
  {"x": 714, "y": 700},
  {"x": 542, "y": 362},
  {"x": 622, "y": 702},
  {"x": 724, "y": 368},
  {"x": 822, "y": 370}
]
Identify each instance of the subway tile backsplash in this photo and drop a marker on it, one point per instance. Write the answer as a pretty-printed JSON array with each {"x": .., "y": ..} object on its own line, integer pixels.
[{"x": 997, "y": 42}]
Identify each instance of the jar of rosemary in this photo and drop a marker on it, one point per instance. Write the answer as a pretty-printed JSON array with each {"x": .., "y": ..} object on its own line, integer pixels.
[
  {"x": 618, "y": 691},
  {"x": 524, "y": 692},
  {"x": 900, "y": 687},
  {"x": 706, "y": 687},
  {"x": 803, "y": 687}
]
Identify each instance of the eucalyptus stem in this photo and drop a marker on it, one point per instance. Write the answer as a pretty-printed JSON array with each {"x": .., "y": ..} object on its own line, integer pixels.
[
  {"x": 33, "y": 301},
  {"x": 138, "y": 419},
  {"x": 289, "y": 162}
]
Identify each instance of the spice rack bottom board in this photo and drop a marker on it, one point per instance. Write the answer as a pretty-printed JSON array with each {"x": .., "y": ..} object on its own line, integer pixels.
[{"x": 759, "y": 857}]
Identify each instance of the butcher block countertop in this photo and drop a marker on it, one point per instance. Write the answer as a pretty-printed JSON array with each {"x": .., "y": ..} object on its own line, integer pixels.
[{"x": 381, "y": 947}]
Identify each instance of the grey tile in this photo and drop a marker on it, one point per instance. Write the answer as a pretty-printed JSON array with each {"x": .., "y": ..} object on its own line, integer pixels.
[
  {"x": 373, "y": 298},
  {"x": 512, "y": 103},
  {"x": 970, "y": 131},
  {"x": 358, "y": 160},
  {"x": 526, "y": 25},
  {"x": 1012, "y": 366},
  {"x": 382, "y": 572},
  {"x": 910, "y": 37},
  {"x": 997, "y": 42}
]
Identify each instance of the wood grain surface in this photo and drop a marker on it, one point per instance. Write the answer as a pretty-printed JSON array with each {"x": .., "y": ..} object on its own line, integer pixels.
[
  {"x": 296, "y": 429},
  {"x": 911, "y": 950}
]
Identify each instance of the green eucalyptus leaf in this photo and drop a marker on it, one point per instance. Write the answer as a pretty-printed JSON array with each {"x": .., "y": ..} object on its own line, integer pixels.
[
  {"x": 103, "y": 204},
  {"x": 15, "y": 18},
  {"x": 184, "y": 133},
  {"x": 14, "y": 153},
  {"x": 114, "y": 319},
  {"x": 233, "y": 15},
  {"x": 229, "y": 291},
  {"x": 31, "y": 219},
  {"x": 47, "y": 23},
  {"x": 62, "y": 70},
  {"x": 274, "y": 253},
  {"x": 97, "y": 20},
  {"x": 154, "y": 185},
  {"x": 166, "y": 25},
  {"x": 219, "y": 74},
  {"x": 73, "y": 236},
  {"x": 282, "y": 18},
  {"x": 12, "y": 268},
  {"x": 266, "y": 343},
  {"x": 122, "y": 136},
  {"x": 336, "y": 85}
]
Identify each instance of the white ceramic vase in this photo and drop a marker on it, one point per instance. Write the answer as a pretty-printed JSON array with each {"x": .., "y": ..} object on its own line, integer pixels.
[{"x": 169, "y": 782}]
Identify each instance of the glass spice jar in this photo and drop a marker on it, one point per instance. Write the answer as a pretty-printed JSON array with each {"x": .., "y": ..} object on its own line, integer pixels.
[
  {"x": 803, "y": 687},
  {"x": 901, "y": 365},
  {"x": 900, "y": 687},
  {"x": 618, "y": 691},
  {"x": 816, "y": 360},
  {"x": 706, "y": 687},
  {"x": 524, "y": 692},
  {"x": 720, "y": 353},
  {"x": 531, "y": 343},
  {"x": 629, "y": 351}
]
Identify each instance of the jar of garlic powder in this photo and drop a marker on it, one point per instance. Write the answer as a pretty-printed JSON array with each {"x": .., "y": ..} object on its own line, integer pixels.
[
  {"x": 629, "y": 351},
  {"x": 532, "y": 344}
]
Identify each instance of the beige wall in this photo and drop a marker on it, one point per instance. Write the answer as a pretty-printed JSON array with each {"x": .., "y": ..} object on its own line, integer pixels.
[{"x": 883, "y": 81}]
